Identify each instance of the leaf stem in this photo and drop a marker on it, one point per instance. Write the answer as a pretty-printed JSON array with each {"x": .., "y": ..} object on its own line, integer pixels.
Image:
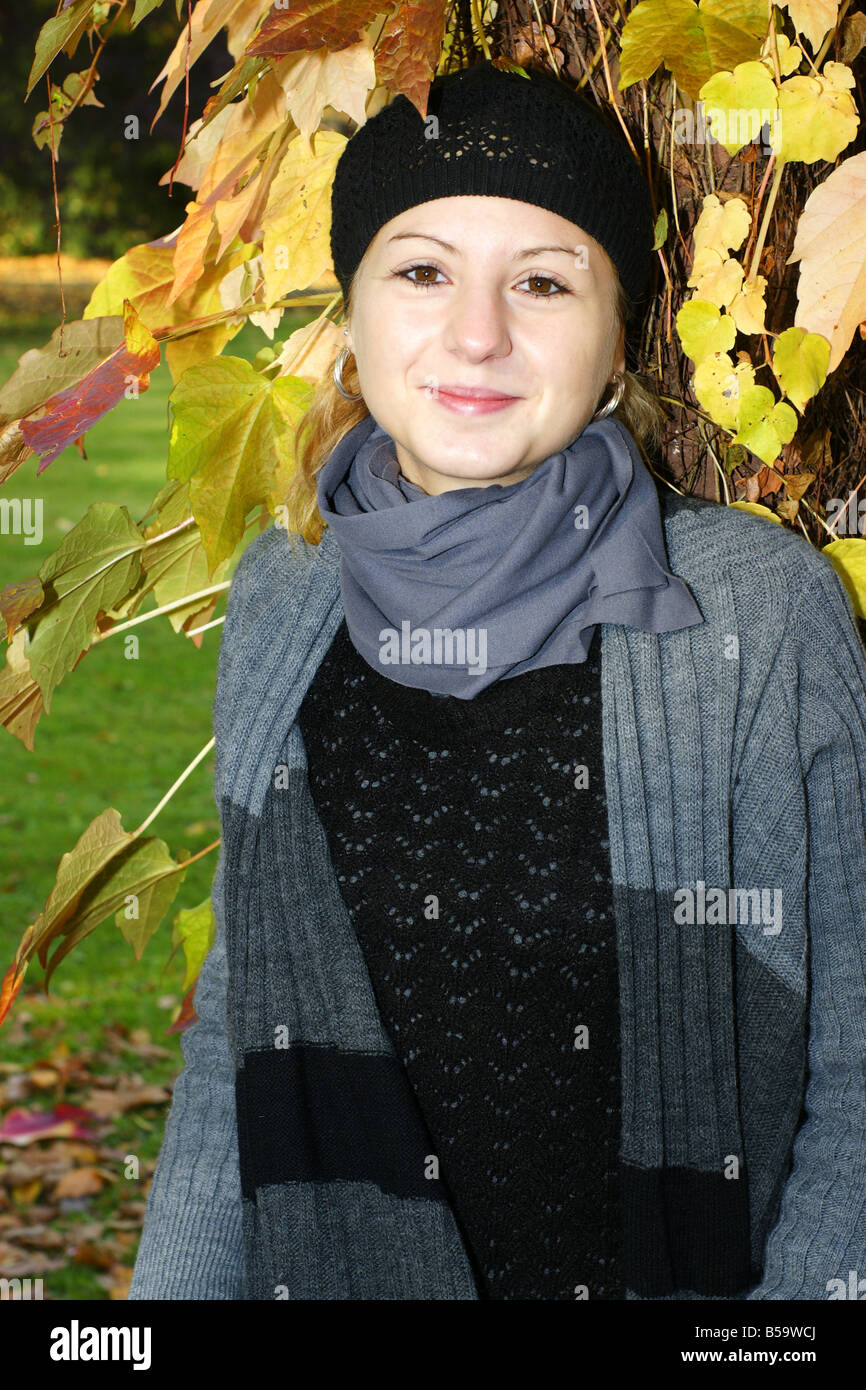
[
  {"x": 164, "y": 608},
  {"x": 216, "y": 622},
  {"x": 193, "y": 857},
  {"x": 182, "y": 330},
  {"x": 173, "y": 788},
  {"x": 602, "y": 38},
  {"x": 765, "y": 221}
]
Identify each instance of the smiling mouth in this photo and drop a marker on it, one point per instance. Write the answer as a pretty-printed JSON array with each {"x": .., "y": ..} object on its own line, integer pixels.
[
  {"x": 471, "y": 401},
  {"x": 474, "y": 393}
]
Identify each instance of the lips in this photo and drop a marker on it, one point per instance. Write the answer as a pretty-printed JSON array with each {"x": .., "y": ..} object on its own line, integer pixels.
[{"x": 475, "y": 393}]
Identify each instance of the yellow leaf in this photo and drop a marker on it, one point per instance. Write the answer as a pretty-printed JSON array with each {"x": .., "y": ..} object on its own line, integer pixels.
[
  {"x": 27, "y": 1192},
  {"x": 200, "y": 148},
  {"x": 244, "y": 285},
  {"x": 800, "y": 363},
  {"x": 738, "y": 103},
  {"x": 694, "y": 41},
  {"x": 812, "y": 17},
  {"x": 757, "y": 510},
  {"x": 194, "y": 928},
  {"x": 831, "y": 246},
  {"x": 764, "y": 424},
  {"x": 703, "y": 329},
  {"x": 790, "y": 55},
  {"x": 310, "y": 351},
  {"x": 321, "y": 78},
  {"x": 241, "y": 25},
  {"x": 248, "y": 124},
  {"x": 297, "y": 220},
  {"x": 139, "y": 339},
  {"x": 719, "y": 384},
  {"x": 145, "y": 275},
  {"x": 715, "y": 277},
  {"x": 848, "y": 558},
  {"x": 208, "y": 17},
  {"x": 747, "y": 308},
  {"x": 290, "y": 402},
  {"x": 184, "y": 570},
  {"x": 228, "y": 439},
  {"x": 817, "y": 116},
  {"x": 721, "y": 226}
]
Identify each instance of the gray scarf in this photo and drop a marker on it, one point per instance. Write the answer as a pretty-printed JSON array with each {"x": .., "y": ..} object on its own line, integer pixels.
[{"x": 475, "y": 585}]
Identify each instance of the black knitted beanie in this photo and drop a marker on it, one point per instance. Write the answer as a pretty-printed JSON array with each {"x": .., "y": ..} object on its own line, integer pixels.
[{"x": 498, "y": 133}]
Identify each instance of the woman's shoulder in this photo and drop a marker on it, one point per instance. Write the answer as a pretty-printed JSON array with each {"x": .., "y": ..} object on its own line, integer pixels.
[
  {"x": 706, "y": 537},
  {"x": 277, "y": 564}
]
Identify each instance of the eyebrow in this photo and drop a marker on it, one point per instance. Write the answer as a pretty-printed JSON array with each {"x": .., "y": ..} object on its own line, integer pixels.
[{"x": 518, "y": 255}]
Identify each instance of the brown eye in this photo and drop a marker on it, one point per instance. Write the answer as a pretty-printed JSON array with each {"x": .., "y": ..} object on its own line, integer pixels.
[
  {"x": 557, "y": 288},
  {"x": 409, "y": 274}
]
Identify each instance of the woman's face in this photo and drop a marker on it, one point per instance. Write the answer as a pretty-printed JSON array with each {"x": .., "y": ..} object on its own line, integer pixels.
[{"x": 488, "y": 310}]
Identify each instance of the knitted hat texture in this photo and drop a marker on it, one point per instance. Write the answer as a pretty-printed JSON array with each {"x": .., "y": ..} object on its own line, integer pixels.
[{"x": 496, "y": 133}]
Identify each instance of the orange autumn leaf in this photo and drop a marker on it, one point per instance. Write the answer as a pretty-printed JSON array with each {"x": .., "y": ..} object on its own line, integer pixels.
[
  {"x": 408, "y": 52},
  {"x": 331, "y": 24},
  {"x": 9, "y": 988},
  {"x": 79, "y": 1182},
  {"x": 187, "y": 1015},
  {"x": 18, "y": 601}
]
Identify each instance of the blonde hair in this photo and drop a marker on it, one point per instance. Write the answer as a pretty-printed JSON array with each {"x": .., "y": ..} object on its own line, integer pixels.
[{"x": 330, "y": 417}]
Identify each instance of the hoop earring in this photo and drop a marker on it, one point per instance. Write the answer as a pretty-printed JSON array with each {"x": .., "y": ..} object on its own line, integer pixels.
[
  {"x": 338, "y": 376},
  {"x": 615, "y": 399}
]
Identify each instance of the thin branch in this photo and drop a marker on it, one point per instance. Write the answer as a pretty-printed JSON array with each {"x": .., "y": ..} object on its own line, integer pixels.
[
  {"x": 543, "y": 30},
  {"x": 87, "y": 84},
  {"x": 216, "y": 622},
  {"x": 173, "y": 788},
  {"x": 765, "y": 222},
  {"x": 610, "y": 91},
  {"x": 53, "y": 153},
  {"x": 200, "y": 855},
  {"x": 185, "y": 97},
  {"x": 165, "y": 608}
]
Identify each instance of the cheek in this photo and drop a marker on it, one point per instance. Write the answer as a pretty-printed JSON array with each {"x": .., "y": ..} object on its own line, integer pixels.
[
  {"x": 586, "y": 349},
  {"x": 570, "y": 365},
  {"x": 396, "y": 334}
]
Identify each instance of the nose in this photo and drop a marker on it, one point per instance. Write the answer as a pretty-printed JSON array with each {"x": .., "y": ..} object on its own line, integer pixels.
[{"x": 477, "y": 320}]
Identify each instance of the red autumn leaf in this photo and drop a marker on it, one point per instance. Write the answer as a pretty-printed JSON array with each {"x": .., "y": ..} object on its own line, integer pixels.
[
  {"x": 332, "y": 24},
  {"x": 408, "y": 52},
  {"x": 22, "y": 1126},
  {"x": 69, "y": 414}
]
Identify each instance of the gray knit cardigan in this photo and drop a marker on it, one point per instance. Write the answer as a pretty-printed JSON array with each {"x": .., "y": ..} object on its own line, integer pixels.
[{"x": 734, "y": 758}]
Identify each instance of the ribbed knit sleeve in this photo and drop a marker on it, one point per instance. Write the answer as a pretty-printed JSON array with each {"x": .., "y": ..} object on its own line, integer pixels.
[
  {"x": 820, "y": 1234},
  {"x": 192, "y": 1242}
]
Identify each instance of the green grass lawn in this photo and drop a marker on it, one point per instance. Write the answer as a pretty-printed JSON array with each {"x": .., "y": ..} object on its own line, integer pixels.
[{"x": 118, "y": 734}]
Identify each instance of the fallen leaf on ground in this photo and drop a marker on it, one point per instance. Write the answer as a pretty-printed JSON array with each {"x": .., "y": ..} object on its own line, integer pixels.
[
  {"x": 109, "y": 1103},
  {"x": 80, "y": 1182},
  {"x": 22, "y": 1126}
]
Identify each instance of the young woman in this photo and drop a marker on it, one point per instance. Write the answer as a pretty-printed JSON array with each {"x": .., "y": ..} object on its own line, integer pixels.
[{"x": 539, "y": 971}]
